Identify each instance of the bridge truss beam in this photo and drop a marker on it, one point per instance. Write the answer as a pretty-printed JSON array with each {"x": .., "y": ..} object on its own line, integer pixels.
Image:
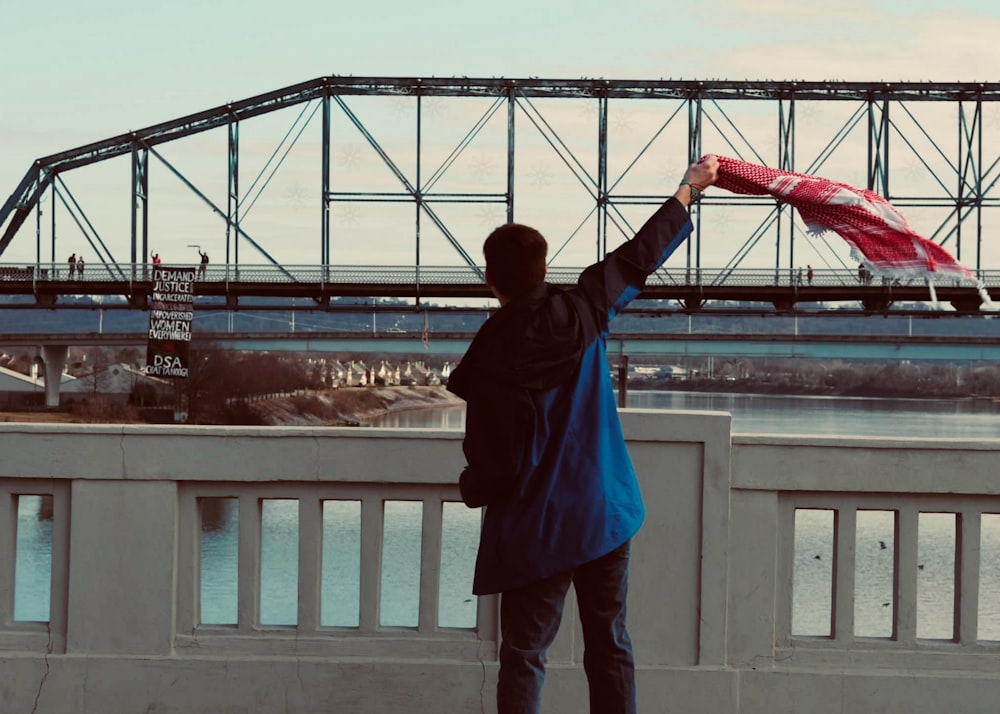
[{"x": 954, "y": 187}]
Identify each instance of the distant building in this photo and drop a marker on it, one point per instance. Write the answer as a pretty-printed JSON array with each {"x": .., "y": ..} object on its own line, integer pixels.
[
  {"x": 658, "y": 371},
  {"x": 358, "y": 375},
  {"x": 17, "y": 388},
  {"x": 117, "y": 382},
  {"x": 20, "y": 390},
  {"x": 120, "y": 381},
  {"x": 419, "y": 374},
  {"x": 337, "y": 374},
  {"x": 386, "y": 375}
]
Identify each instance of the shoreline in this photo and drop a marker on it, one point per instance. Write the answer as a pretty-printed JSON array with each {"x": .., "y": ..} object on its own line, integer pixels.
[
  {"x": 345, "y": 406},
  {"x": 358, "y": 406},
  {"x": 350, "y": 406}
]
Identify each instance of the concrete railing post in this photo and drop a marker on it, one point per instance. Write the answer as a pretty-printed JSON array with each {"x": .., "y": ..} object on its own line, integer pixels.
[{"x": 122, "y": 577}]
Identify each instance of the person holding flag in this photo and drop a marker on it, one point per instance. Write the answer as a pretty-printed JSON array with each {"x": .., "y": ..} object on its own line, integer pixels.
[{"x": 546, "y": 455}]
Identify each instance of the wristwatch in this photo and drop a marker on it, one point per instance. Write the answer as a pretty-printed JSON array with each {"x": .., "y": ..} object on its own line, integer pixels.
[{"x": 696, "y": 193}]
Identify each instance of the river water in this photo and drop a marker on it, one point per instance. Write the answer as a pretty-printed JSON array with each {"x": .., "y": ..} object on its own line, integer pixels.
[
  {"x": 957, "y": 418},
  {"x": 779, "y": 414}
]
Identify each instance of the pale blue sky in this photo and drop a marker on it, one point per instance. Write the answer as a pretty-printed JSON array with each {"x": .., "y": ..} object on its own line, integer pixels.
[{"x": 79, "y": 71}]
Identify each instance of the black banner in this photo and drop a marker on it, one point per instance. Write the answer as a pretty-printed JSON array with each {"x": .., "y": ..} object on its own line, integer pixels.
[{"x": 171, "y": 311}]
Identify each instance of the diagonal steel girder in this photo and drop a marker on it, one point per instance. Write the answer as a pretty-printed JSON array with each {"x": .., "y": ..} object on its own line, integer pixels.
[
  {"x": 415, "y": 193},
  {"x": 218, "y": 211}
]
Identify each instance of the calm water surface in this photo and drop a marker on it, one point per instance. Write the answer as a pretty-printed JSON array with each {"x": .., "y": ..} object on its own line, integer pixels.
[{"x": 776, "y": 414}]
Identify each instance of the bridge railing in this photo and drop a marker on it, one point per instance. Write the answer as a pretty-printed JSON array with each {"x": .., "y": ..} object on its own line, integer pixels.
[
  {"x": 454, "y": 275},
  {"x": 367, "y": 573},
  {"x": 899, "y": 540},
  {"x": 749, "y": 588}
]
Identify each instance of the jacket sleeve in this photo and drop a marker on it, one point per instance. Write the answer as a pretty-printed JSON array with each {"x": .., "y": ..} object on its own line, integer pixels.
[
  {"x": 498, "y": 420},
  {"x": 611, "y": 284}
]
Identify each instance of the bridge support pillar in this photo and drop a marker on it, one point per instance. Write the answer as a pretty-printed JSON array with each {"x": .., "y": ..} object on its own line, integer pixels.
[
  {"x": 53, "y": 361},
  {"x": 623, "y": 381}
]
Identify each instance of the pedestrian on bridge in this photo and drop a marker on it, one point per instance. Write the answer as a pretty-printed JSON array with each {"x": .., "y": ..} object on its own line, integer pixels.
[
  {"x": 156, "y": 258},
  {"x": 72, "y": 266},
  {"x": 546, "y": 455},
  {"x": 204, "y": 264},
  {"x": 80, "y": 265}
]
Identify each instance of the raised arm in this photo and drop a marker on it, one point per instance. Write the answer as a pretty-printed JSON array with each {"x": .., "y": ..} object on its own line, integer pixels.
[{"x": 608, "y": 286}]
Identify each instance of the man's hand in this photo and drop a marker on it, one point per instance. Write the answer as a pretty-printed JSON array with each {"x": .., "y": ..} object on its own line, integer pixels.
[
  {"x": 703, "y": 173},
  {"x": 698, "y": 177}
]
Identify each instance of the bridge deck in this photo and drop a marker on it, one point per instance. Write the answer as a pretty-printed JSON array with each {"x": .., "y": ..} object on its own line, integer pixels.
[{"x": 781, "y": 290}]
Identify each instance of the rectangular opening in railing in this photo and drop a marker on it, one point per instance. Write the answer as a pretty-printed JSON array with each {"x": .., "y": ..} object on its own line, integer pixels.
[
  {"x": 459, "y": 543},
  {"x": 34, "y": 564},
  {"x": 219, "y": 553},
  {"x": 33, "y": 558},
  {"x": 989, "y": 579},
  {"x": 937, "y": 543},
  {"x": 874, "y": 583},
  {"x": 341, "y": 589},
  {"x": 365, "y": 563},
  {"x": 399, "y": 593},
  {"x": 913, "y": 571},
  {"x": 279, "y": 562},
  {"x": 812, "y": 589}
]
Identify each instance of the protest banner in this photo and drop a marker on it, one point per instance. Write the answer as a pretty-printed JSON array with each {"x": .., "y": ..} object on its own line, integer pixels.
[{"x": 171, "y": 311}]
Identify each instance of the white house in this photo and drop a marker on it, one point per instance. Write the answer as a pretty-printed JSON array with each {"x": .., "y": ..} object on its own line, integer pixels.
[{"x": 17, "y": 388}]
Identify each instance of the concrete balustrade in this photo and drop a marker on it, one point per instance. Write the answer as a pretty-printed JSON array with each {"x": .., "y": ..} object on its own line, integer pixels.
[{"x": 712, "y": 589}]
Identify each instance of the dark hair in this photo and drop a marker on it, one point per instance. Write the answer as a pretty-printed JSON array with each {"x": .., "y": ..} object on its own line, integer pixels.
[{"x": 515, "y": 257}]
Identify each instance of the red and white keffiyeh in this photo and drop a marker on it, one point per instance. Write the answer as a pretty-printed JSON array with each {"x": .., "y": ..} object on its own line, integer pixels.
[{"x": 878, "y": 234}]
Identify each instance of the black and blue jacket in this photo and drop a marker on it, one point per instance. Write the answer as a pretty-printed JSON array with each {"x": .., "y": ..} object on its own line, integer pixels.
[{"x": 543, "y": 442}]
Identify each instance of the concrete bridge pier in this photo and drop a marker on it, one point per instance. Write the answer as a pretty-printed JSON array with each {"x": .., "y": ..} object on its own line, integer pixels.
[{"x": 53, "y": 363}]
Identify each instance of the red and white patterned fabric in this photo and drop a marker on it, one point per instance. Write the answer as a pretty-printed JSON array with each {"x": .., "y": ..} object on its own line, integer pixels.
[{"x": 878, "y": 234}]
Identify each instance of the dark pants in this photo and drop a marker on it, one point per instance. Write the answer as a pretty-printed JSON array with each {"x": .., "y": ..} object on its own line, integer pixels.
[{"x": 529, "y": 620}]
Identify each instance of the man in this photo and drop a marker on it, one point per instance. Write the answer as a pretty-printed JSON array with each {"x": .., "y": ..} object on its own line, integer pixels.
[{"x": 547, "y": 457}]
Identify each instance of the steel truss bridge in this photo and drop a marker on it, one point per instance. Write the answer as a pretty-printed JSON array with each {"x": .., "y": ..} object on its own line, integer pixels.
[{"x": 406, "y": 175}]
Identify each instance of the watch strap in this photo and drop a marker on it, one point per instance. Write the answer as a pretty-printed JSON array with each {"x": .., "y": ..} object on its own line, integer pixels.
[{"x": 696, "y": 193}]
